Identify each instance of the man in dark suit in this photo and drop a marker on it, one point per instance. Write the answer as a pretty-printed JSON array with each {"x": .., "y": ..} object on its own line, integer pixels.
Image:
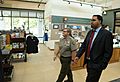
[{"x": 98, "y": 47}]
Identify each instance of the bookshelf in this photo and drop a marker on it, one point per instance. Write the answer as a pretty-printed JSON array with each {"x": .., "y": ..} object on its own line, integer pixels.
[
  {"x": 5, "y": 56},
  {"x": 18, "y": 42}
]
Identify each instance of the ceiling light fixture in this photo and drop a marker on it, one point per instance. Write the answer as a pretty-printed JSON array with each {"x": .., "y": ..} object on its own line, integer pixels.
[
  {"x": 40, "y": 3},
  {"x": 91, "y": 4},
  {"x": 103, "y": 9},
  {"x": 68, "y": 2},
  {"x": 80, "y": 4},
  {"x": 104, "y": 12}
]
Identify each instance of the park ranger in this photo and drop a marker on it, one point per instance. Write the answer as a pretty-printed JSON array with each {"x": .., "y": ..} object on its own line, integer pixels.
[{"x": 67, "y": 48}]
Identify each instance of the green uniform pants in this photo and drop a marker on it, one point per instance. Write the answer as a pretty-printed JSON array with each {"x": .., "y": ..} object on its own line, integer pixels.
[{"x": 65, "y": 69}]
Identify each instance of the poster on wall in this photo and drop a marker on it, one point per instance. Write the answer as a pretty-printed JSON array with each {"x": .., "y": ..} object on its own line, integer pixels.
[
  {"x": 60, "y": 27},
  {"x": 56, "y": 26}
]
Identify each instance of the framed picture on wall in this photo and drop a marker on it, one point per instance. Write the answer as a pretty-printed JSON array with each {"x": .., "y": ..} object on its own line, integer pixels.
[{"x": 55, "y": 26}]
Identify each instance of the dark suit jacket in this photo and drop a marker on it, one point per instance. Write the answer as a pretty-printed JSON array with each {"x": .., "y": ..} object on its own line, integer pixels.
[
  {"x": 101, "y": 50},
  {"x": 32, "y": 44}
]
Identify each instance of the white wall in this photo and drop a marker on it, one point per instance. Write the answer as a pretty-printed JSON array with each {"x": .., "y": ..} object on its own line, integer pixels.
[
  {"x": 115, "y": 4},
  {"x": 62, "y": 8},
  {"x": 48, "y": 9}
]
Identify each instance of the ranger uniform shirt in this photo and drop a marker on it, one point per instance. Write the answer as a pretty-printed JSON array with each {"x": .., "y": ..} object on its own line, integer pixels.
[{"x": 67, "y": 45}]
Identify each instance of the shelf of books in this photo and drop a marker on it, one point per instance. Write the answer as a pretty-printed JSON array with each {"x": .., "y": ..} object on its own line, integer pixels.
[
  {"x": 18, "y": 42},
  {"x": 6, "y": 56},
  {"x": 13, "y": 48}
]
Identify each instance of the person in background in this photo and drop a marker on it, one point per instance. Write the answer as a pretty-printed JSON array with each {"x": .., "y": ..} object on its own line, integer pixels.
[
  {"x": 98, "y": 47},
  {"x": 46, "y": 35},
  {"x": 67, "y": 48},
  {"x": 106, "y": 27}
]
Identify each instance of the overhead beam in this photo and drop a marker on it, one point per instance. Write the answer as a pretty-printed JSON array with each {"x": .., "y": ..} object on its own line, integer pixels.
[{"x": 29, "y": 1}]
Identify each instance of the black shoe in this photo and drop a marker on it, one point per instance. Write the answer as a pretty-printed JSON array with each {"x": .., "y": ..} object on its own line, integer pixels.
[{"x": 68, "y": 81}]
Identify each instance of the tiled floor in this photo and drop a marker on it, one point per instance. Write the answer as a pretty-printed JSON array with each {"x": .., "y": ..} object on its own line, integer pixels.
[{"x": 40, "y": 67}]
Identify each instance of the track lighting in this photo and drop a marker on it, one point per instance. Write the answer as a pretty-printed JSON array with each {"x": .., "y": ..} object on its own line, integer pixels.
[
  {"x": 38, "y": 5},
  {"x": 91, "y": 6},
  {"x": 68, "y": 2},
  {"x": 86, "y": 3},
  {"x": 80, "y": 4},
  {"x": 104, "y": 12}
]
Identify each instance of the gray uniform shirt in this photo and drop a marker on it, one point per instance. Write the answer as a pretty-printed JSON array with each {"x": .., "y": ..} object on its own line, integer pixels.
[{"x": 67, "y": 45}]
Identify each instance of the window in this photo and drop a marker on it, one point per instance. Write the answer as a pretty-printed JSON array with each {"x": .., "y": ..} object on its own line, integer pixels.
[
  {"x": 39, "y": 15},
  {"x": 15, "y": 13},
  {"x": 30, "y": 20},
  {"x": 32, "y": 14},
  {"x": 24, "y": 14},
  {"x": 19, "y": 23},
  {"x": 6, "y": 13},
  {"x": 5, "y": 23}
]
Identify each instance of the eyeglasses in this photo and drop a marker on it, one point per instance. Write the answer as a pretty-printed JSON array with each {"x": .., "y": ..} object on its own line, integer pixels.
[
  {"x": 93, "y": 20},
  {"x": 65, "y": 31}
]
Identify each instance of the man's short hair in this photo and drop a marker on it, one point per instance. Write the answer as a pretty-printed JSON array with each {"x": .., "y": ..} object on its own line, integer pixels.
[{"x": 99, "y": 17}]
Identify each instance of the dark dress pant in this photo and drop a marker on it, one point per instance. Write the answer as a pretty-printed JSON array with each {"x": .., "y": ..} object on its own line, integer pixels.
[
  {"x": 93, "y": 73},
  {"x": 65, "y": 69}
]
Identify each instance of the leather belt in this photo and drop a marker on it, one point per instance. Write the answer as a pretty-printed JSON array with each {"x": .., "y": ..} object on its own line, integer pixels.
[{"x": 65, "y": 57}]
